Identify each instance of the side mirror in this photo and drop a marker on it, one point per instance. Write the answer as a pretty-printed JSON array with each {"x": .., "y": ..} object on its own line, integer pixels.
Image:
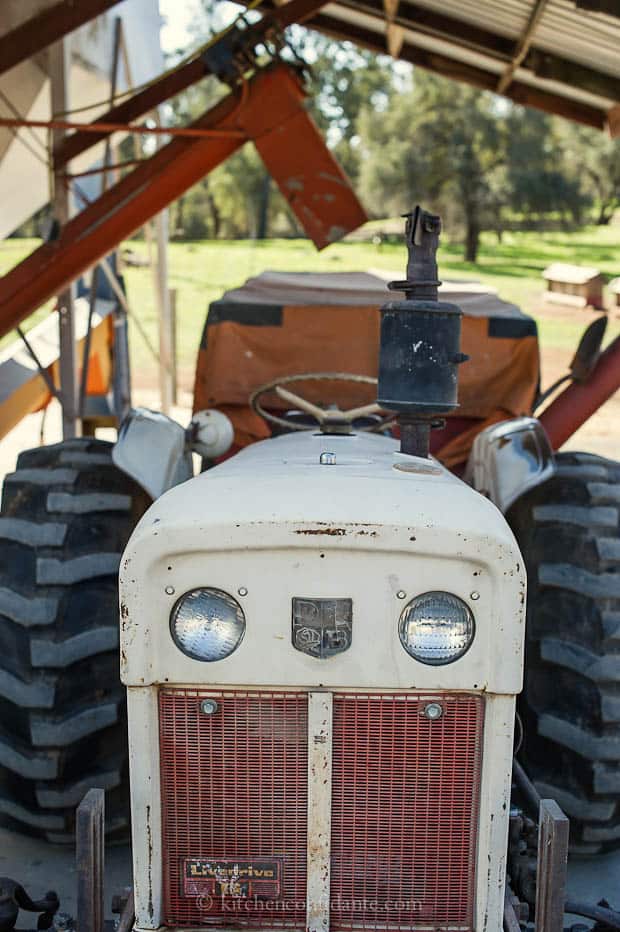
[{"x": 589, "y": 350}]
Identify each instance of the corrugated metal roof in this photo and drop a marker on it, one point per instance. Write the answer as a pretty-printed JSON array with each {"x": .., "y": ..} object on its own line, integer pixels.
[
  {"x": 573, "y": 54},
  {"x": 506, "y": 18},
  {"x": 592, "y": 39}
]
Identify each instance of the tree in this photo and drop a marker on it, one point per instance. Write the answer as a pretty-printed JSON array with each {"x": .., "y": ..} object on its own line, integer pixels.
[
  {"x": 344, "y": 80},
  {"x": 236, "y": 199},
  {"x": 592, "y": 160},
  {"x": 440, "y": 142},
  {"x": 539, "y": 179}
]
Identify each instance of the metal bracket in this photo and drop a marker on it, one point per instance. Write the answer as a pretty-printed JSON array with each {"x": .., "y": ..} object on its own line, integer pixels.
[
  {"x": 552, "y": 867},
  {"x": 90, "y": 858}
]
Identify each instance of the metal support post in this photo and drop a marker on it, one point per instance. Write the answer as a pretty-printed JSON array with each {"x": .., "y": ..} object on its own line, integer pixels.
[
  {"x": 165, "y": 313},
  {"x": 59, "y": 76},
  {"x": 90, "y": 856},
  {"x": 551, "y": 867},
  {"x": 174, "y": 334},
  {"x": 118, "y": 36}
]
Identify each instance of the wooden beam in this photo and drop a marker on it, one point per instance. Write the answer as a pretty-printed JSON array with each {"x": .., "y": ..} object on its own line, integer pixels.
[
  {"x": 391, "y": 9},
  {"x": 411, "y": 16},
  {"x": 613, "y": 121},
  {"x": 573, "y": 74},
  {"x": 47, "y": 27},
  {"x": 395, "y": 36},
  {"x": 518, "y": 91},
  {"x": 609, "y": 7},
  {"x": 523, "y": 45}
]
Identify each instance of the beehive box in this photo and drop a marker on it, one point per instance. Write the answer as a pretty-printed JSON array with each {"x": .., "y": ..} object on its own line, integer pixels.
[{"x": 573, "y": 285}]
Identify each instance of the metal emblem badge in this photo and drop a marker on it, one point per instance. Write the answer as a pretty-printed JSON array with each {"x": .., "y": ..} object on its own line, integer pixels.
[
  {"x": 322, "y": 627},
  {"x": 232, "y": 878}
]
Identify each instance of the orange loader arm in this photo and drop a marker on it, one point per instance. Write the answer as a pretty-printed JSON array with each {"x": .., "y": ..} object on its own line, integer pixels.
[{"x": 268, "y": 109}]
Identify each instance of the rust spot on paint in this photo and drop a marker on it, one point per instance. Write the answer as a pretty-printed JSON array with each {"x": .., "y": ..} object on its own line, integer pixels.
[
  {"x": 329, "y": 531},
  {"x": 149, "y": 836}
]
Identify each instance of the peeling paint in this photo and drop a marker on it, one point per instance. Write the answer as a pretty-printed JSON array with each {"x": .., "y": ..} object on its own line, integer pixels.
[{"x": 294, "y": 184}]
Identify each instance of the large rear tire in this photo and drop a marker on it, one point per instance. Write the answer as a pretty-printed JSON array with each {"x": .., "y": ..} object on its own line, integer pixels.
[
  {"x": 66, "y": 515},
  {"x": 569, "y": 533}
]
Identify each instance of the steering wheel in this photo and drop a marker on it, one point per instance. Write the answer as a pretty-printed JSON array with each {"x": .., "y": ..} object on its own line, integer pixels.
[{"x": 330, "y": 420}]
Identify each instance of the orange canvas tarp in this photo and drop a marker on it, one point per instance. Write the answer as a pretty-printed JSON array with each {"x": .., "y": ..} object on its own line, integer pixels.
[{"x": 251, "y": 338}]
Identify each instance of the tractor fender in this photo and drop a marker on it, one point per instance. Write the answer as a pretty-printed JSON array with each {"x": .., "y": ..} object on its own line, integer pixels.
[{"x": 508, "y": 459}]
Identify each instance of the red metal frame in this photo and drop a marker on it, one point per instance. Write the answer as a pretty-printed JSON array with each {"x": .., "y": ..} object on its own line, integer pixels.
[
  {"x": 309, "y": 178},
  {"x": 160, "y": 90},
  {"x": 572, "y": 408}
]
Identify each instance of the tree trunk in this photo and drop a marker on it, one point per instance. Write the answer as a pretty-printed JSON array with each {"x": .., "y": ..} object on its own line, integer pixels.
[
  {"x": 472, "y": 238},
  {"x": 605, "y": 214},
  {"x": 179, "y": 219},
  {"x": 216, "y": 220},
  {"x": 263, "y": 208}
]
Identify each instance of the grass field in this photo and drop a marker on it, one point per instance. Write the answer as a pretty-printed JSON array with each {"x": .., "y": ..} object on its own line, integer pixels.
[{"x": 201, "y": 271}]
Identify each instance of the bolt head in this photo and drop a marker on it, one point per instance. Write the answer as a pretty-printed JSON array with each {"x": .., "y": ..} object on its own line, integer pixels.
[
  {"x": 242, "y": 591},
  {"x": 433, "y": 711},
  {"x": 474, "y": 596},
  {"x": 169, "y": 590},
  {"x": 401, "y": 594},
  {"x": 327, "y": 459},
  {"x": 208, "y": 706}
]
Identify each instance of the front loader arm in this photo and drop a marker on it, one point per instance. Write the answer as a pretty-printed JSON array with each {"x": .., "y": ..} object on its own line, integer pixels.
[{"x": 268, "y": 109}]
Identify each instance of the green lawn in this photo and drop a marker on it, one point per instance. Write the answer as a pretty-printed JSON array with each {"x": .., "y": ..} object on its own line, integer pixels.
[{"x": 201, "y": 271}]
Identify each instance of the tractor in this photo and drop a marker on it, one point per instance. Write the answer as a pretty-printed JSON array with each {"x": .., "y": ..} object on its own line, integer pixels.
[
  {"x": 279, "y": 356},
  {"x": 276, "y": 357},
  {"x": 321, "y": 639}
]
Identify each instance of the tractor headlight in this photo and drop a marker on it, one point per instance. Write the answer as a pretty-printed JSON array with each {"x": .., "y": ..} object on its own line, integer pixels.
[
  {"x": 207, "y": 624},
  {"x": 436, "y": 628}
]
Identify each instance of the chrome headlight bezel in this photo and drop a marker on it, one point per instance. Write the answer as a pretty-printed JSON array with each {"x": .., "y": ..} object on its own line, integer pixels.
[
  {"x": 466, "y": 622},
  {"x": 223, "y": 644}
]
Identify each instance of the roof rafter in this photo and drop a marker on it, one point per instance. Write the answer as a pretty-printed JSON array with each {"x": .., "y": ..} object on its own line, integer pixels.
[
  {"x": 518, "y": 91},
  {"x": 543, "y": 64},
  {"x": 523, "y": 45}
]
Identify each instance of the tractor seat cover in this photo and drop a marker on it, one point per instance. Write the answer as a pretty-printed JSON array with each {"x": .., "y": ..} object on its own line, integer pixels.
[{"x": 285, "y": 323}]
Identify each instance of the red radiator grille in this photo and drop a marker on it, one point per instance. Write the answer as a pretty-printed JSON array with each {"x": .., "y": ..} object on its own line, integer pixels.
[
  {"x": 234, "y": 787},
  {"x": 404, "y": 811}
]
